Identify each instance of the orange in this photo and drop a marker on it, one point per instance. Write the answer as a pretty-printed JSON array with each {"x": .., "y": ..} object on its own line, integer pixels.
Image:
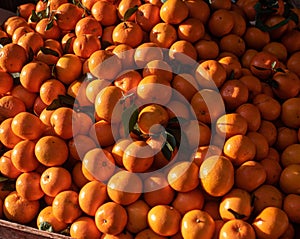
[
  {"x": 227, "y": 42},
  {"x": 124, "y": 5},
  {"x": 105, "y": 13},
  {"x": 210, "y": 74},
  {"x": 269, "y": 130},
  {"x": 104, "y": 65},
  {"x": 266, "y": 196},
  {"x": 123, "y": 235},
  {"x": 183, "y": 52},
  {"x": 154, "y": 89},
  {"x": 21, "y": 126},
  {"x": 292, "y": 62},
  {"x": 152, "y": 119},
  {"x": 67, "y": 42},
  {"x": 291, "y": 206},
  {"x": 68, "y": 68},
  {"x": 187, "y": 201},
  {"x": 234, "y": 93},
  {"x": 107, "y": 104},
  {"x": 138, "y": 157},
  {"x": 207, "y": 49},
  {"x": 55, "y": 180},
  {"x": 20, "y": 210},
  {"x": 273, "y": 170},
  {"x": 147, "y": 52},
  {"x": 268, "y": 106},
  {"x": 236, "y": 204},
  {"x": 84, "y": 227},
  {"x": 163, "y": 34},
  {"x": 51, "y": 151},
  {"x": 42, "y": 28},
  {"x": 197, "y": 224},
  {"x": 289, "y": 155},
  {"x": 277, "y": 49},
  {"x": 285, "y": 137},
  {"x": 157, "y": 190},
  {"x": 25, "y": 95},
  {"x": 250, "y": 169},
  {"x": 40, "y": 71},
  {"x": 77, "y": 89},
  {"x": 289, "y": 233},
  {"x": 129, "y": 33},
  {"x": 98, "y": 164},
  {"x": 107, "y": 36},
  {"x": 65, "y": 122},
  {"x": 291, "y": 41},
  {"x": 231, "y": 124},
  {"x": 231, "y": 64},
  {"x": 271, "y": 222},
  {"x": 79, "y": 145},
  {"x": 178, "y": 109},
  {"x": 128, "y": 80},
  {"x": 24, "y": 149},
  {"x": 263, "y": 64},
  {"x": 25, "y": 9},
  {"x": 137, "y": 216},
  {"x": 91, "y": 196},
  {"x": 65, "y": 206},
  {"x": 204, "y": 152},
  {"x": 240, "y": 24},
  {"x": 118, "y": 150},
  {"x": 31, "y": 42},
  {"x": 6, "y": 82},
  {"x": 28, "y": 186},
  {"x": 216, "y": 175},
  {"x": 174, "y": 11},
  {"x": 111, "y": 218},
  {"x": 251, "y": 114},
  {"x": 47, "y": 222},
  {"x": 12, "y": 23},
  {"x": 148, "y": 233},
  {"x": 220, "y": 22},
  {"x": 13, "y": 58},
  {"x": 125, "y": 54},
  {"x": 147, "y": 16},
  {"x": 195, "y": 139},
  {"x": 50, "y": 90},
  {"x": 7, "y": 168},
  {"x": 7, "y": 136},
  {"x": 20, "y": 31},
  {"x": 77, "y": 175},
  {"x": 124, "y": 187},
  {"x": 288, "y": 179},
  {"x": 94, "y": 87},
  {"x": 237, "y": 229},
  {"x": 88, "y": 25},
  {"x": 159, "y": 68},
  {"x": 185, "y": 84},
  {"x": 198, "y": 9},
  {"x": 289, "y": 113},
  {"x": 85, "y": 45},
  {"x": 183, "y": 176},
  {"x": 187, "y": 30},
  {"x": 247, "y": 57},
  {"x": 255, "y": 38},
  {"x": 68, "y": 15},
  {"x": 261, "y": 144},
  {"x": 164, "y": 220}
]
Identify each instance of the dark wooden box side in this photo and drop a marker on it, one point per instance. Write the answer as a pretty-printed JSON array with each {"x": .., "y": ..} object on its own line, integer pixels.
[{"x": 10, "y": 230}]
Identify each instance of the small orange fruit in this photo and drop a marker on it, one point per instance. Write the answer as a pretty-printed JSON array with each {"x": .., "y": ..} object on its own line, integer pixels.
[
  {"x": 28, "y": 186},
  {"x": 84, "y": 227},
  {"x": 47, "y": 222}
]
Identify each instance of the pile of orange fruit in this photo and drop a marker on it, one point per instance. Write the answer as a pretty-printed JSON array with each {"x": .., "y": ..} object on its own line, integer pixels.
[{"x": 177, "y": 119}]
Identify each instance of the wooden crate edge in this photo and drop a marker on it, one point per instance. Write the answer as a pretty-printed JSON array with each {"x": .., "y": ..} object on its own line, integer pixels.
[{"x": 10, "y": 230}]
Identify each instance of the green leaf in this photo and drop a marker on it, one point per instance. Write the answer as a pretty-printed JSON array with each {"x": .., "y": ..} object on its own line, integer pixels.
[
  {"x": 46, "y": 226},
  {"x": 171, "y": 140},
  {"x": 34, "y": 16},
  {"x": 67, "y": 100},
  {"x": 3, "y": 179},
  {"x": 54, "y": 105},
  {"x": 166, "y": 151},
  {"x": 236, "y": 214},
  {"x": 49, "y": 25},
  {"x": 130, "y": 117},
  {"x": 130, "y": 12},
  {"x": 48, "y": 51}
]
